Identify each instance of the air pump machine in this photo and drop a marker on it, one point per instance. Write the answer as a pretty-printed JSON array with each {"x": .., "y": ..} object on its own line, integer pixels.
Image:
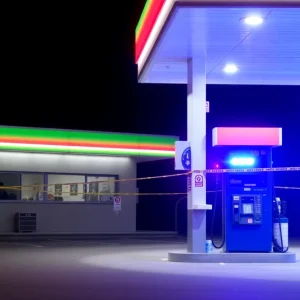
[{"x": 252, "y": 221}]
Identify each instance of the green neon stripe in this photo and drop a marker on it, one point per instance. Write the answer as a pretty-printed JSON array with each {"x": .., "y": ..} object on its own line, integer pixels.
[
  {"x": 68, "y": 135},
  {"x": 142, "y": 18},
  {"x": 91, "y": 151}
]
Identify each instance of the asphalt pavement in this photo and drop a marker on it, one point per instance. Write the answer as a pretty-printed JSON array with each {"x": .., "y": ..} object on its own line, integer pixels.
[{"x": 132, "y": 268}]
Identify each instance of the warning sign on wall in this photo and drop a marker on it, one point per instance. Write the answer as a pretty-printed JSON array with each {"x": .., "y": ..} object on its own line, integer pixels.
[
  {"x": 198, "y": 181},
  {"x": 117, "y": 203}
]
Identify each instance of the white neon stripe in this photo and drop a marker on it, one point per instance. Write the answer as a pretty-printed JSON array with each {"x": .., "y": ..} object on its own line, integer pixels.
[
  {"x": 161, "y": 19},
  {"x": 280, "y": 136},
  {"x": 44, "y": 146},
  {"x": 215, "y": 136}
]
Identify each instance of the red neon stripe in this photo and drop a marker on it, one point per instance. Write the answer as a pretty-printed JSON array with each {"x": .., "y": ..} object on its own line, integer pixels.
[
  {"x": 147, "y": 26},
  {"x": 86, "y": 144}
]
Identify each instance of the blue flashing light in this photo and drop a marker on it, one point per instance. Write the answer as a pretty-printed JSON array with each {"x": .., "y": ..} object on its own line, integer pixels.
[{"x": 242, "y": 161}]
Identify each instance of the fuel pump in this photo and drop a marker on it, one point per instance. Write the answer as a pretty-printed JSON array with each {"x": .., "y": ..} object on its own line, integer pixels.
[
  {"x": 280, "y": 228},
  {"x": 247, "y": 201},
  {"x": 252, "y": 221}
]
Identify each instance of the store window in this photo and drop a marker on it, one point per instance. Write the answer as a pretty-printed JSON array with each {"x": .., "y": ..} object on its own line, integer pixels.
[
  {"x": 32, "y": 187},
  {"x": 57, "y": 187},
  {"x": 8, "y": 180},
  {"x": 98, "y": 186},
  {"x": 66, "y": 187}
]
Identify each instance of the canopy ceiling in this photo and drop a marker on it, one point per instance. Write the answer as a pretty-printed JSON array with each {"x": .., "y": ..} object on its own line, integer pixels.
[{"x": 170, "y": 32}]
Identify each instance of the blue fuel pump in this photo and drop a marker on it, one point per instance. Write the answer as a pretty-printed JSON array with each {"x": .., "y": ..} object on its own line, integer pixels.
[
  {"x": 247, "y": 201},
  {"x": 252, "y": 221}
]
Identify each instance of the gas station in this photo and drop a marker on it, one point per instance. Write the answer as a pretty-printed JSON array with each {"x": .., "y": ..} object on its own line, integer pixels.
[{"x": 200, "y": 42}]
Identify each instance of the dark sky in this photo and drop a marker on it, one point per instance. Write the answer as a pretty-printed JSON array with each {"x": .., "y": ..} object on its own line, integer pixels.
[{"x": 71, "y": 66}]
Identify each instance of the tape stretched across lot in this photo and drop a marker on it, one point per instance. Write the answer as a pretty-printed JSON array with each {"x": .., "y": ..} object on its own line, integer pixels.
[
  {"x": 288, "y": 188},
  {"x": 163, "y": 194},
  {"x": 250, "y": 170},
  {"x": 208, "y": 171}
]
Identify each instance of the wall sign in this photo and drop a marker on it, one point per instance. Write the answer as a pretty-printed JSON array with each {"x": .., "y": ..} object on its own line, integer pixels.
[
  {"x": 198, "y": 181},
  {"x": 207, "y": 107},
  {"x": 183, "y": 159},
  {"x": 186, "y": 158},
  {"x": 117, "y": 203}
]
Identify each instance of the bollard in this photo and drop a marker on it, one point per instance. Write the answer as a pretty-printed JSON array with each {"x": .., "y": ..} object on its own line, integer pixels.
[{"x": 208, "y": 246}]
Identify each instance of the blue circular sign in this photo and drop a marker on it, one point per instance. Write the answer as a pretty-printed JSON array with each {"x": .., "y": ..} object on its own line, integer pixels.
[{"x": 186, "y": 158}]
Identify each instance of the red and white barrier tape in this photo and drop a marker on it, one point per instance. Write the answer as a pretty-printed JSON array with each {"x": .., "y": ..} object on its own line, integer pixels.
[{"x": 249, "y": 170}]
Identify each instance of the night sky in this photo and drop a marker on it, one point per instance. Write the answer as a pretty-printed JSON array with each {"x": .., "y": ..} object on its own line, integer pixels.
[{"x": 72, "y": 66}]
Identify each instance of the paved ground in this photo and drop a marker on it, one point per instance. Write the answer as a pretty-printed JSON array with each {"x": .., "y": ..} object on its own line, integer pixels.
[{"x": 122, "y": 268}]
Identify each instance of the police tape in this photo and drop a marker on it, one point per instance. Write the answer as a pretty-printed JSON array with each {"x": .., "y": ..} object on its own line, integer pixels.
[
  {"x": 63, "y": 193},
  {"x": 96, "y": 181},
  {"x": 249, "y": 170},
  {"x": 288, "y": 188},
  {"x": 208, "y": 171}
]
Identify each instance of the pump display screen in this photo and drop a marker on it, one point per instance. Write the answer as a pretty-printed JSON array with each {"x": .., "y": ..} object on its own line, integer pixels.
[
  {"x": 247, "y": 208},
  {"x": 248, "y": 180}
]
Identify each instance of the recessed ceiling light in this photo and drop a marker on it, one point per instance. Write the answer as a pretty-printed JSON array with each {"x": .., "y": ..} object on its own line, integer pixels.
[
  {"x": 230, "y": 69},
  {"x": 253, "y": 20}
]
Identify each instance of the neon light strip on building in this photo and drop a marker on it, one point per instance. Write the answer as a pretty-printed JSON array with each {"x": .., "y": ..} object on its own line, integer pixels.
[
  {"x": 146, "y": 23},
  {"x": 80, "y": 142},
  {"x": 149, "y": 29}
]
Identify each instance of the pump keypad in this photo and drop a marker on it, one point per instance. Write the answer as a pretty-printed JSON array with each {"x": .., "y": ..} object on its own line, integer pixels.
[{"x": 247, "y": 209}]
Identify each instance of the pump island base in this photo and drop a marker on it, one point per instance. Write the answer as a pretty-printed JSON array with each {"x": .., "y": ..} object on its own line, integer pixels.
[{"x": 254, "y": 228}]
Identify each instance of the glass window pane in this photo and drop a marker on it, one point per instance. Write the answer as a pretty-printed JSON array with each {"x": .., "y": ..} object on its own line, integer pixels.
[
  {"x": 10, "y": 180},
  {"x": 66, "y": 187},
  {"x": 112, "y": 184},
  {"x": 100, "y": 184},
  {"x": 32, "y": 186}
]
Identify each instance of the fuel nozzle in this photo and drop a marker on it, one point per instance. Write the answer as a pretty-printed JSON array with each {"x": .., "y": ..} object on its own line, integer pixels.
[{"x": 277, "y": 207}]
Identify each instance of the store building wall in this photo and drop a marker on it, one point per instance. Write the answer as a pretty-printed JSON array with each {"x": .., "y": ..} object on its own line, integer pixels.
[{"x": 69, "y": 216}]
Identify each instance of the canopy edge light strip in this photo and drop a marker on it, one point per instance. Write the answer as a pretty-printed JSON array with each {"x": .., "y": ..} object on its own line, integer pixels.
[
  {"x": 145, "y": 25},
  {"x": 81, "y": 142}
]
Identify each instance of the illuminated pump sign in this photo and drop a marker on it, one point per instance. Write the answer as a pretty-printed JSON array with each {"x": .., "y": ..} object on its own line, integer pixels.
[
  {"x": 242, "y": 161},
  {"x": 242, "y": 147},
  {"x": 243, "y": 157},
  {"x": 247, "y": 136}
]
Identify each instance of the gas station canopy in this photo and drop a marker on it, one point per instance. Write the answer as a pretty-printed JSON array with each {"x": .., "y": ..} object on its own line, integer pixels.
[{"x": 245, "y": 42}]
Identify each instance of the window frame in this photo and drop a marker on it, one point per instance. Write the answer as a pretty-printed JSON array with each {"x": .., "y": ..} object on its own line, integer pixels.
[{"x": 45, "y": 198}]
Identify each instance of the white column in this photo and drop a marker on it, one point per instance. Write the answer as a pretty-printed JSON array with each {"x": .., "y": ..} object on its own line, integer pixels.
[{"x": 197, "y": 138}]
